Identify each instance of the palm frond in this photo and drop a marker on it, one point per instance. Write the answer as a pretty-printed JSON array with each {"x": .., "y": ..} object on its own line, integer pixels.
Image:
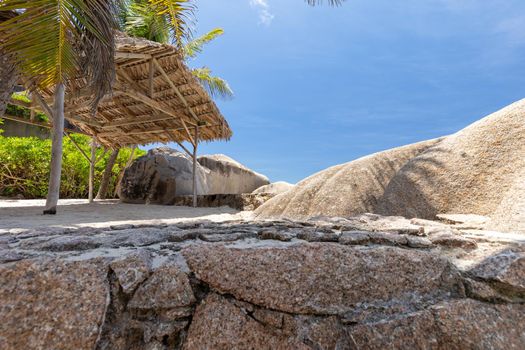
[
  {"x": 215, "y": 86},
  {"x": 180, "y": 15},
  {"x": 195, "y": 46},
  {"x": 330, "y": 2},
  {"x": 142, "y": 20},
  {"x": 52, "y": 40}
]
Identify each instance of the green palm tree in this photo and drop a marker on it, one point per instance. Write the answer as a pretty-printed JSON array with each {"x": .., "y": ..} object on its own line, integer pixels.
[
  {"x": 50, "y": 42},
  {"x": 46, "y": 43},
  {"x": 216, "y": 86},
  {"x": 140, "y": 18},
  {"x": 8, "y": 72}
]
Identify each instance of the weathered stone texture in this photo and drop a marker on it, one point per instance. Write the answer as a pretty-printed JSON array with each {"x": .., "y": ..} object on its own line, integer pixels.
[
  {"x": 322, "y": 278},
  {"x": 219, "y": 324},
  {"x": 52, "y": 304}
]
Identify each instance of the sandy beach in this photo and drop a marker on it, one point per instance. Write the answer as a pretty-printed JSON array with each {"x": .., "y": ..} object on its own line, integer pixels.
[{"x": 27, "y": 214}]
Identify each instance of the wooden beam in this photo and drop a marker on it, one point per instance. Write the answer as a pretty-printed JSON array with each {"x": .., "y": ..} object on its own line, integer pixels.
[
  {"x": 129, "y": 55},
  {"x": 174, "y": 87},
  {"x": 181, "y": 145},
  {"x": 78, "y": 147},
  {"x": 37, "y": 123},
  {"x": 151, "y": 78},
  {"x": 149, "y": 131},
  {"x": 145, "y": 99},
  {"x": 121, "y": 73},
  {"x": 19, "y": 103},
  {"x": 151, "y": 119},
  {"x": 84, "y": 121},
  {"x": 192, "y": 141},
  {"x": 42, "y": 102}
]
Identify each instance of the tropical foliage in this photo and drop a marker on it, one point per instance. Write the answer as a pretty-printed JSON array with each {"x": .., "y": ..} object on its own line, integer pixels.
[
  {"x": 154, "y": 20},
  {"x": 216, "y": 86},
  {"x": 24, "y": 167},
  {"x": 50, "y": 41}
]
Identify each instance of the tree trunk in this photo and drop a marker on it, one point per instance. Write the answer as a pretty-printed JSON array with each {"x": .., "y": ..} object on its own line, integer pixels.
[
  {"x": 92, "y": 169},
  {"x": 57, "y": 134},
  {"x": 8, "y": 79},
  {"x": 104, "y": 184}
]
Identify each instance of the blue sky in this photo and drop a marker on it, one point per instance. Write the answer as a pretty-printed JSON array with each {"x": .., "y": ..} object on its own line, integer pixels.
[{"x": 319, "y": 86}]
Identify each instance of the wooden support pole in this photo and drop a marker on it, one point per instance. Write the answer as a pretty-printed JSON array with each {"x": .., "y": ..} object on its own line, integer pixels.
[
  {"x": 183, "y": 147},
  {"x": 78, "y": 147},
  {"x": 195, "y": 166},
  {"x": 175, "y": 89},
  {"x": 53, "y": 192},
  {"x": 92, "y": 163}
]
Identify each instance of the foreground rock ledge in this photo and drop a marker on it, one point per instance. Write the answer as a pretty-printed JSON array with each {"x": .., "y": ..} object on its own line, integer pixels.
[{"x": 360, "y": 283}]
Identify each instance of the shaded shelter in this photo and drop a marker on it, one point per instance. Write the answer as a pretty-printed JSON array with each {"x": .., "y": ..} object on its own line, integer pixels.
[{"x": 155, "y": 98}]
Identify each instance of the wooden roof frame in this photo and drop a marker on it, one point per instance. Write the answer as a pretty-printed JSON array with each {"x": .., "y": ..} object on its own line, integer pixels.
[{"x": 155, "y": 98}]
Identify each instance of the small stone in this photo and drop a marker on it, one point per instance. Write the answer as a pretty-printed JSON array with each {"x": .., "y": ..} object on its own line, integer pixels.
[
  {"x": 7, "y": 255},
  {"x": 506, "y": 268},
  {"x": 483, "y": 292},
  {"x": 453, "y": 241},
  {"x": 64, "y": 244},
  {"x": 386, "y": 238},
  {"x": 318, "y": 236},
  {"x": 418, "y": 242},
  {"x": 354, "y": 237},
  {"x": 132, "y": 270},
  {"x": 168, "y": 287},
  {"x": 275, "y": 235}
]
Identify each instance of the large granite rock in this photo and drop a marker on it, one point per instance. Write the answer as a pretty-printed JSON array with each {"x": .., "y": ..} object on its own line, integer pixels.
[
  {"x": 227, "y": 176},
  {"x": 366, "y": 282},
  {"x": 324, "y": 278},
  {"x": 219, "y": 324},
  {"x": 478, "y": 170},
  {"x": 274, "y": 188},
  {"x": 509, "y": 216},
  {"x": 470, "y": 172},
  {"x": 52, "y": 304},
  {"x": 343, "y": 190},
  {"x": 159, "y": 176},
  {"x": 164, "y": 176},
  {"x": 462, "y": 324}
]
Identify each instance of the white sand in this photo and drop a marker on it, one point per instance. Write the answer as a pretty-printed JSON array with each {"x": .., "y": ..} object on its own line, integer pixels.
[{"x": 27, "y": 214}]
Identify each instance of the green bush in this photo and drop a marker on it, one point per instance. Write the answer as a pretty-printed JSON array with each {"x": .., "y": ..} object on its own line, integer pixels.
[
  {"x": 24, "y": 167},
  {"x": 22, "y": 112}
]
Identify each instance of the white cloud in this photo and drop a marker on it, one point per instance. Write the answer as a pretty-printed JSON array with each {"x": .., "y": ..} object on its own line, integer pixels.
[{"x": 265, "y": 16}]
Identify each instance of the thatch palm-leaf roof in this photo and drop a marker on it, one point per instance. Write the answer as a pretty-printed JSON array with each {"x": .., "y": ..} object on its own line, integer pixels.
[{"x": 155, "y": 98}]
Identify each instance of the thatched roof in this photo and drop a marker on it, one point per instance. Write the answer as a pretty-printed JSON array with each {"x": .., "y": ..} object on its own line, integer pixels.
[{"x": 155, "y": 99}]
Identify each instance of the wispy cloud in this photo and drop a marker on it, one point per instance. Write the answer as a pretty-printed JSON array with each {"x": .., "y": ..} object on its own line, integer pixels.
[
  {"x": 265, "y": 16},
  {"x": 512, "y": 28}
]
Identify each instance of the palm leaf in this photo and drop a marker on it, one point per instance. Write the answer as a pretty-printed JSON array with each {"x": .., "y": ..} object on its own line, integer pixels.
[
  {"x": 330, "y": 2},
  {"x": 52, "y": 40},
  {"x": 180, "y": 15},
  {"x": 195, "y": 46},
  {"x": 216, "y": 87},
  {"x": 142, "y": 20}
]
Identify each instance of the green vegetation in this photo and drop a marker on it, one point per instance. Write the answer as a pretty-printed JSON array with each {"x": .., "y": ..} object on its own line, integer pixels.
[
  {"x": 147, "y": 19},
  {"x": 21, "y": 111},
  {"x": 24, "y": 167}
]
